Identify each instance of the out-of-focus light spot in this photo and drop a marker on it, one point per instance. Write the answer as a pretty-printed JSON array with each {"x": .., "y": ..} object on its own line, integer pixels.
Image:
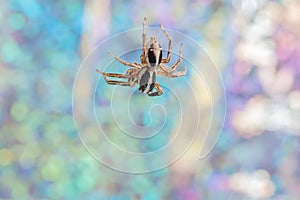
[
  {"x": 249, "y": 7},
  {"x": 293, "y": 12},
  {"x": 151, "y": 195},
  {"x": 19, "y": 111},
  {"x": 9, "y": 50},
  {"x": 16, "y": 21},
  {"x": 261, "y": 114},
  {"x": 242, "y": 69},
  {"x": 294, "y": 100},
  {"x": 255, "y": 185},
  {"x": 259, "y": 53},
  {"x": 60, "y": 189},
  {"x": 276, "y": 83},
  {"x": 53, "y": 169},
  {"x": 31, "y": 8},
  {"x": 278, "y": 117},
  {"x": 284, "y": 80},
  {"x": 250, "y": 121},
  {"x": 86, "y": 182},
  {"x": 29, "y": 155},
  {"x": 262, "y": 27},
  {"x": 31, "y": 29},
  {"x": 52, "y": 133},
  {"x": 6, "y": 157},
  {"x": 141, "y": 184},
  {"x": 8, "y": 176},
  {"x": 19, "y": 191},
  {"x": 238, "y": 24},
  {"x": 245, "y": 6},
  {"x": 68, "y": 124}
]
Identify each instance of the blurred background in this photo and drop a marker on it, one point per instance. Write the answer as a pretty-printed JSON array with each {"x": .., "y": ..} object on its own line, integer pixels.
[{"x": 255, "y": 45}]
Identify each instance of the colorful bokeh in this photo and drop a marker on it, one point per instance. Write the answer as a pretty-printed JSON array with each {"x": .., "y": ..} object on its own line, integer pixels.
[{"x": 255, "y": 45}]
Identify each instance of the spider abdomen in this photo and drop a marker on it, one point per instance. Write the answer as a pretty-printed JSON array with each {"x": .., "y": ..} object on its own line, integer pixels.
[{"x": 146, "y": 79}]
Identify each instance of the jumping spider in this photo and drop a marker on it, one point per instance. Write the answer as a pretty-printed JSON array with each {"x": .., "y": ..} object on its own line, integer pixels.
[{"x": 144, "y": 73}]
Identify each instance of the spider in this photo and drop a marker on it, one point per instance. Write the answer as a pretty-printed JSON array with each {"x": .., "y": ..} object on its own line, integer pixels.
[{"x": 144, "y": 74}]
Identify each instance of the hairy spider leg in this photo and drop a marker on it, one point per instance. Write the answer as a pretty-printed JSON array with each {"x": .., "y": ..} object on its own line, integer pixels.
[
  {"x": 167, "y": 59},
  {"x": 124, "y": 62},
  {"x": 143, "y": 56},
  {"x": 159, "y": 90},
  {"x": 171, "y": 75},
  {"x": 122, "y": 83},
  {"x": 173, "y": 68}
]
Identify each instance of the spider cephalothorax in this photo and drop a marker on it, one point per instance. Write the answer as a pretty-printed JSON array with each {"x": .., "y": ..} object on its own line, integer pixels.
[
  {"x": 144, "y": 73},
  {"x": 153, "y": 53}
]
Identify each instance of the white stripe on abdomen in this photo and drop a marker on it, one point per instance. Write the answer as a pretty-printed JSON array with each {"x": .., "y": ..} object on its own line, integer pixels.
[{"x": 149, "y": 82}]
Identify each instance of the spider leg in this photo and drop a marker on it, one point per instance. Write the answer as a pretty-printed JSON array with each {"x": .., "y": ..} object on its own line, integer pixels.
[
  {"x": 137, "y": 64},
  {"x": 172, "y": 74},
  {"x": 123, "y": 61},
  {"x": 159, "y": 90},
  {"x": 112, "y": 74},
  {"x": 173, "y": 68},
  {"x": 143, "y": 56},
  {"x": 122, "y": 83},
  {"x": 166, "y": 60}
]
